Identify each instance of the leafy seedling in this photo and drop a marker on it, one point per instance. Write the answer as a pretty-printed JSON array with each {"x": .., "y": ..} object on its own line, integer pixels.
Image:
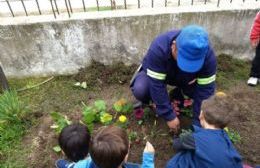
[
  {"x": 123, "y": 107},
  {"x": 60, "y": 121},
  {"x": 57, "y": 149},
  {"x": 132, "y": 136},
  {"x": 233, "y": 135},
  {"x": 81, "y": 85},
  {"x": 96, "y": 113},
  {"x": 106, "y": 118},
  {"x": 185, "y": 132}
]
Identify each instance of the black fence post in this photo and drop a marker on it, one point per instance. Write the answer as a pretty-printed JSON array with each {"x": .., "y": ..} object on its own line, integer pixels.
[
  {"x": 165, "y": 3},
  {"x": 97, "y": 5},
  {"x": 84, "y": 7},
  {"x": 218, "y": 3},
  {"x": 125, "y": 4},
  {"x": 3, "y": 80},
  {"x": 24, "y": 8},
  {"x": 71, "y": 11},
  {"x": 38, "y": 6},
  {"x": 53, "y": 9},
  {"x": 139, "y": 4},
  {"x": 67, "y": 7},
  {"x": 10, "y": 8},
  {"x": 56, "y": 6}
]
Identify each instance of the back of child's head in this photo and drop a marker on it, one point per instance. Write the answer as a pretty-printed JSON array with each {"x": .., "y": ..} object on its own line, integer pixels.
[
  {"x": 217, "y": 110},
  {"x": 109, "y": 147},
  {"x": 74, "y": 141}
]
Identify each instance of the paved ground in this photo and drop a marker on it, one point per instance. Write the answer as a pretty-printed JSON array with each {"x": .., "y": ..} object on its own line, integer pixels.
[{"x": 77, "y": 5}]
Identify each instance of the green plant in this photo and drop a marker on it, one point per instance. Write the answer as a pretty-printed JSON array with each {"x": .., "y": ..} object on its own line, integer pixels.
[
  {"x": 13, "y": 124},
  {"x": 106, "y": 118},
  {"x": 233, "y": 135},
  {"x": 57, "y": 149},
  {"x": 185, "y": 132},
  {"x": 187, "y": 111},
  {"x": 123, "y": 107},
  {"x": 12, "y": 110},
  {"x": 132, "y": 136},
  {"x": 60, "y": 121},
  {"x": 81, "y": 85},
  {"x": 96, "y": 113}
]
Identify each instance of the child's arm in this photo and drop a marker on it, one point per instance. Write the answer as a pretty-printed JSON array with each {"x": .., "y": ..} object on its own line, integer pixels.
[
  {"x": 255, "y": 31},
  {"x": 148, "y": 156},
  {"x": 185, "y": 142}
]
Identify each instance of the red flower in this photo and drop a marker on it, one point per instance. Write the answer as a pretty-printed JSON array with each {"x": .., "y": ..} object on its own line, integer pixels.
[{"x": 139, "y": 113}]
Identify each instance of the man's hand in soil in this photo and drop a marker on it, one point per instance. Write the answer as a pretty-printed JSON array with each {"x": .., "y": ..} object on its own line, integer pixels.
[
  {"x": 149, "y": 147},
  {"x": 174, "y": 125}
]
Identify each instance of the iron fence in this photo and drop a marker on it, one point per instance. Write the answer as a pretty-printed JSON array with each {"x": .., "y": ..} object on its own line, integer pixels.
[{"x": 57, "y": 8}]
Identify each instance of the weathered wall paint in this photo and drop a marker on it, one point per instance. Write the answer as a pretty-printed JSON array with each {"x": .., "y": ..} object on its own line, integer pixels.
[{"x": 62, "y": 47}]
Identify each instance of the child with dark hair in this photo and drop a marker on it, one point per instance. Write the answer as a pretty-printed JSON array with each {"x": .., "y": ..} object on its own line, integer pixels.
[
  {"x": 110, "y": 147},
  {"x": 74, "y": 142},
  {"x": 208, "y": 146}
]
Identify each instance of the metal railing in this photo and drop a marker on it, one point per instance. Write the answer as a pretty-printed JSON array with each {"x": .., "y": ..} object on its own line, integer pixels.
[{"x": 56, "y": 8}]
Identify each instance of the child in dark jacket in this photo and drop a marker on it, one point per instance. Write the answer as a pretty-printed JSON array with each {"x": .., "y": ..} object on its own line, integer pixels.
[
  {"x": 209, "y": 146},
  {"x": 254, "y": 40}
]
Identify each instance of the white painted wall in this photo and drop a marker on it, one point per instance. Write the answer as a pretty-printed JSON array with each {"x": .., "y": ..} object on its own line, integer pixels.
[{"x": 43, "y": 46}]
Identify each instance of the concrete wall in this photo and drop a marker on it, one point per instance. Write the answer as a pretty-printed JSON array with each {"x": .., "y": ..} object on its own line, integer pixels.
[{"x": 40, "y": 46}]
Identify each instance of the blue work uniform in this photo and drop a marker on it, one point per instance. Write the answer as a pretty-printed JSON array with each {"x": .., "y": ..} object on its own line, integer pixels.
[{"x": 159, "y": 68}]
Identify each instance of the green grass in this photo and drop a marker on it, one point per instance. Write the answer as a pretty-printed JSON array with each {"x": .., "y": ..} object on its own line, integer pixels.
[
  {"x": 230, "y": 71},
  {"x": 12, "y": 126}
]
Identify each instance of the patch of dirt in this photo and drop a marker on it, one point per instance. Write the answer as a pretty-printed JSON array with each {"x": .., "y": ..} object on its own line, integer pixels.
[
  {"x": 246, "y": 121},
  {"x": 98, "y": 74},
  {"x": 41, "y": 138}
]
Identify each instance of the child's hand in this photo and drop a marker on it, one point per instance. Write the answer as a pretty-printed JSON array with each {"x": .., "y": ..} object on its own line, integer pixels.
[{"x": 149, "y": 147}]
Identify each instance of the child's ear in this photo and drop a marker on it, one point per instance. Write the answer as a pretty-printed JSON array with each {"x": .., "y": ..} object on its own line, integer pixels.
[{"x": 201, "y": 115}]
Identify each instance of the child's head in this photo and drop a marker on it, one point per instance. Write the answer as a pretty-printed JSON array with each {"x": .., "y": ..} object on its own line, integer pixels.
[
  {"x": 216, "y": 111},
  {"x": 74, "y": 141},
  {"x": 109, "y": 147}
]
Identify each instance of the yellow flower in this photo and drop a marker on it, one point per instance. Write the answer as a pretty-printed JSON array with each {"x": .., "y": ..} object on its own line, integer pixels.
[
  {"x": 221, "y": 94},
  {"x": 122, "y": 119},
  {"x": 121, "y": 102}
]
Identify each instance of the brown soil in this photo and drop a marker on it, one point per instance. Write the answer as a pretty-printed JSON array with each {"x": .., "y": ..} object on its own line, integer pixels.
[
  {"x": 111, "y": 84},
  {"x": 41, "y": 138}
]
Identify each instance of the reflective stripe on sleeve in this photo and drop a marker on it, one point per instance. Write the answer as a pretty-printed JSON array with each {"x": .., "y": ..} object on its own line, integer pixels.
[
  {"x": 156, "y": 75},
  {"x": 205, "y": 81}
]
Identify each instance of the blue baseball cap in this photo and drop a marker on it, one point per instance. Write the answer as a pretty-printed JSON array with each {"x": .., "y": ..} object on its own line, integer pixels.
[{"x": 192, "y": 45}]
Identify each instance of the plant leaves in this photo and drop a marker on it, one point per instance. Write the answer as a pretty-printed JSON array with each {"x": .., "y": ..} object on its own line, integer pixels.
[
  {"x": 89, "y": 117},
  {"x": 57, "y": 149},
  {"x": 100, "y": 105},
  {"x": 106, "y": 118}
]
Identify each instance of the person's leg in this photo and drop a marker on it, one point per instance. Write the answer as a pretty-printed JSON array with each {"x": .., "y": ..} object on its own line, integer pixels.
[
  {"x": 140, "y": 87},
  {"x": 255, "y": 69}
]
